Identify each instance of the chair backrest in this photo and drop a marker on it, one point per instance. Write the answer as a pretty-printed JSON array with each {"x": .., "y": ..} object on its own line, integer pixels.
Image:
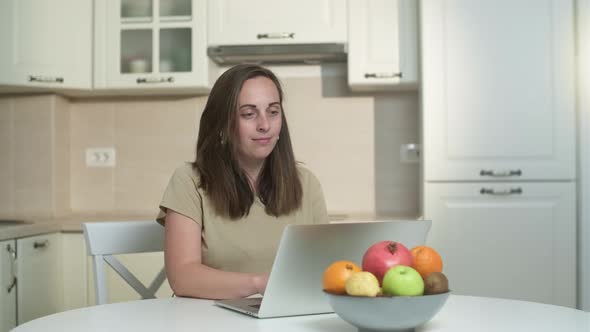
[{"x": 105, "y": 239}]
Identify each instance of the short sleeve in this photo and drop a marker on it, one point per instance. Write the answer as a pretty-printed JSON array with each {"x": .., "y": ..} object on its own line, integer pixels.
[
  {"x": 318, "y": 202},
  {"x": 182, "y": 196}
]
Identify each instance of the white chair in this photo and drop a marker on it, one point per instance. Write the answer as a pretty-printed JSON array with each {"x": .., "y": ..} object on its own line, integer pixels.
[{"x": 105, "y": 239}]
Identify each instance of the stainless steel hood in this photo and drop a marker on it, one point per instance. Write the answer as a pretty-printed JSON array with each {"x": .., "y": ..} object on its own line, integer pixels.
[{"x": 278, "y": 53}]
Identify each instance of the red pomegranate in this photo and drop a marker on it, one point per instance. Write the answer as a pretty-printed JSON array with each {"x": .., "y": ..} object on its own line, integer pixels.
[{"x": 384, "y": 255}]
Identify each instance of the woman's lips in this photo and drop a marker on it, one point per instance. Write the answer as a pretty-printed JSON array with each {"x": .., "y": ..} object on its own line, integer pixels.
[{"x": 263, "y": 140}]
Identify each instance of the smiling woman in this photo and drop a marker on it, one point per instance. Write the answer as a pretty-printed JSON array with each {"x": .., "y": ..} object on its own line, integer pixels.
[{"x": 225, "y": 212}]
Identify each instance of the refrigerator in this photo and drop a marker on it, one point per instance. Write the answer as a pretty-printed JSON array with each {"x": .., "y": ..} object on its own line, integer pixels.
[{"x": 500, "y": 174}]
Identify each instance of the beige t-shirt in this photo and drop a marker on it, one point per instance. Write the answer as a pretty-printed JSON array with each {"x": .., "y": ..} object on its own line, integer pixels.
[{"x": 248, "y": 244}]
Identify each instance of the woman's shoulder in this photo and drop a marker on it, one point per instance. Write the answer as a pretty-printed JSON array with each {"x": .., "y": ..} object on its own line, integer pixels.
[{"x": 186, "y": 172}]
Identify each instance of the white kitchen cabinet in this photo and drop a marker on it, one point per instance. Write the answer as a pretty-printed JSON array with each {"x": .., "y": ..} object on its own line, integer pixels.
[
  {"x": 382, "y": 44},
  {"x": 519, "y": 245},
  {"x": 498, "y": 90},
  {"x": 7, "y": 285},
  {"x": 39, "y": 276},
  {"x": 238, "y": 22},
  {"x": 145, "y": 44},
  {"x": 46, "y": 43},
  {"x": 74, "y": 271}
]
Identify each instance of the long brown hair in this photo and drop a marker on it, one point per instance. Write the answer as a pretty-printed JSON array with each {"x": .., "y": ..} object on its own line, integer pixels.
[{"x": 221, "y": 177}]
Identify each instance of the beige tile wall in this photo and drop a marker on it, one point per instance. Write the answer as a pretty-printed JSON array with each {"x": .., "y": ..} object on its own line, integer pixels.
[
  {"x": 151, "y": 137},
  {"x": 350, "y": 141},
  {"x": 61, "y": 157},
  {"x": 7, "y": 160},
  {"x": 34, "y": 169},
  {"x": 334, "y": 138}
]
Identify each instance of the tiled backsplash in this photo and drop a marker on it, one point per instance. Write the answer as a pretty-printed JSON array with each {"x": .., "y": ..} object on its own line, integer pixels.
[
  {"x": 35, "y": 156},
  {"x": 350, "y": 141},
  {"x": 151, "y": 136}
]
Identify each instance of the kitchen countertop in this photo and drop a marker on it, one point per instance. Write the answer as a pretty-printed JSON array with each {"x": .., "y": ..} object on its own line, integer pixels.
[
  {"x": 66, "y": 224},
  {"x": 73, "y": 223}
]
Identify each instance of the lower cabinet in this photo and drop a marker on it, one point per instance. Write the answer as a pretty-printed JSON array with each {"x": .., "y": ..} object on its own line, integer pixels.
[
  {"x": 508, "y": 240},
  {"x": 74, "y": 271},
  {"x": 39, "y": 276},
  {"x": 7, "y": 285},
  {"x": 54, "y": 274}
]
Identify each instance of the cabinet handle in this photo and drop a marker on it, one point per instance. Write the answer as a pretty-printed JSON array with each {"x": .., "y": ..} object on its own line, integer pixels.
[
  {"x": 276, "y": 35},
  {"x": 12, "y": 285},
  {"x": 511, "y": 191},
  {"x": 12, "y": 253},
  {"x": 504, "y": 173},
  {"x": 384, "y": 75},
  {"x": 41, "y": 244},
  {"x": 45, "y": 79},
  {"x": 153, "y": 80}
]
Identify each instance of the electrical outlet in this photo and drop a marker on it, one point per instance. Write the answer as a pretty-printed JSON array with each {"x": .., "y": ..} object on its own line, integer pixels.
[
  {"x": 100, "y": 157},
  {"x": 409, "y": 153}
]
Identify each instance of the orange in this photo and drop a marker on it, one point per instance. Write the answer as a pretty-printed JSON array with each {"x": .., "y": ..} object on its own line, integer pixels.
[
  {"x": 426, "y": 260},
  {"x": 335, "y": 276}
]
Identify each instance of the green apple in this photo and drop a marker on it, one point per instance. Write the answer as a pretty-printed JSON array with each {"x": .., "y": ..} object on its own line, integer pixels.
[
  {"x": 362, "y": 284},
  {"x": 403, "y": 280}
]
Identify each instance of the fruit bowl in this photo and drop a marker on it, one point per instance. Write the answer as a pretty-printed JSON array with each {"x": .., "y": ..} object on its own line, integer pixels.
[{"x": 384, "y": 313}]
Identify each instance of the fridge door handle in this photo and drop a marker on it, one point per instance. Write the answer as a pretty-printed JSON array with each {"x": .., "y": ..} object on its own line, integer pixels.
[
  {"x": 491, "y": 191},
  {"x": 502, "y": 173}
]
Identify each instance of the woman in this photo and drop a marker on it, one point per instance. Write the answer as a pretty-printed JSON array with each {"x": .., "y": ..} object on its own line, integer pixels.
[{"x": 224, "y": 213}]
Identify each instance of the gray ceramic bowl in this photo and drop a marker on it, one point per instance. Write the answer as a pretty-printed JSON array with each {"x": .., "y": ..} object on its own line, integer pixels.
[{"x": 398, "y": 313}]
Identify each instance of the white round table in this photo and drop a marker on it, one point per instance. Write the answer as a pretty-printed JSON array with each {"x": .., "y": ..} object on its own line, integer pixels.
[{"x": 460, "y": 314}]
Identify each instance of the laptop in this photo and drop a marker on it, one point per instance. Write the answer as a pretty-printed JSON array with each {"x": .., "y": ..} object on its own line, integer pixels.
[{"x": 295, "y": 283}]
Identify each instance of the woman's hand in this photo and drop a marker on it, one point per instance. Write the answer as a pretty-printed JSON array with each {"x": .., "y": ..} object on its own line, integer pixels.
[{"x": 260, "y": 281}]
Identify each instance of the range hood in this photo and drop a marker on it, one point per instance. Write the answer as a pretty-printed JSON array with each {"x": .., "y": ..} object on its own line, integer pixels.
[{"x": 278, "y": 53}]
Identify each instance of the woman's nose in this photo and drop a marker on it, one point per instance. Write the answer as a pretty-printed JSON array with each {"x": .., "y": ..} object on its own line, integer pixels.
[{"x": 263, "y": 124}]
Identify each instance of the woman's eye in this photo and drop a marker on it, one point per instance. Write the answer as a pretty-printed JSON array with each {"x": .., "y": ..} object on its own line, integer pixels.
[
  {"x": 275, "y": 111},
  {"x": 247, "y": 115}
]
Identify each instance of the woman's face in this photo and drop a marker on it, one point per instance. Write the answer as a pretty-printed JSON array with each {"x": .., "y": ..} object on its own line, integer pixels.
[{"x": 259, "y": 120}]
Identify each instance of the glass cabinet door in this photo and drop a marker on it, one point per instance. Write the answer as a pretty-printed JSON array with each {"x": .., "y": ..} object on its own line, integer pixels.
[
  {"x": 138, "y": 10},
  {"x": 151, "y": 42},
  {"x": 175, "y": 50},
  {"x": 175, "y": 8},
  {"x": 169, "y": 31},
  {"x": 136, "y": 51}
]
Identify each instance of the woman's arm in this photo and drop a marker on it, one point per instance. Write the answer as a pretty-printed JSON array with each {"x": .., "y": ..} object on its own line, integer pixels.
[{"x": 189, "y": 278}]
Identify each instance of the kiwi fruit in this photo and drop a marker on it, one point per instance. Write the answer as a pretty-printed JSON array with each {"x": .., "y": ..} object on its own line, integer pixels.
[{"x": 435, "y": 283}]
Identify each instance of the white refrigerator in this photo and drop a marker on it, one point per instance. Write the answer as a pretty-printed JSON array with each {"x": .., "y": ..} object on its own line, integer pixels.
[{"x": 500, "y": 178}]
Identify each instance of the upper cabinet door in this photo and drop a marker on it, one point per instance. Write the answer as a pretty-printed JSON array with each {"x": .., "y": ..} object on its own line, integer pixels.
[
  {"x": 498, "y": 89},
  {"x": 151, "y": 44},
  {"x": 239, "y": 22},
  {"x": 46, "y": 43},
  {"x": 382, "y": 44}
]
